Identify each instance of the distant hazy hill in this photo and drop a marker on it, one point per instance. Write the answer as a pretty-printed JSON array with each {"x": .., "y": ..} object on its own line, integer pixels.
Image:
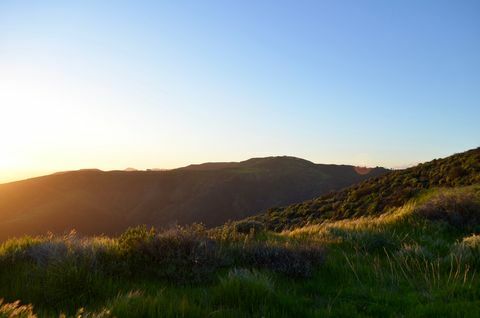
[
  {"x": 93, "y": 201},
  {"x": 377, "y": 195}
]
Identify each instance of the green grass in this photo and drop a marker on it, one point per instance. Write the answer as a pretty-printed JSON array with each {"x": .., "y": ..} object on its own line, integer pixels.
[{"x": 404, "y": 263}]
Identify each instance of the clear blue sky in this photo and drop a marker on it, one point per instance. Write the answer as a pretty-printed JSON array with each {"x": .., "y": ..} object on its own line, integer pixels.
[{"x": 112, "y": 84}]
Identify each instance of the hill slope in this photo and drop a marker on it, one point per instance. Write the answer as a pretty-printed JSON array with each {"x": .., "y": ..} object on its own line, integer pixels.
[
  {"x": 95, "y": 202},
  {"x": 377, "y": 195},
  {"x": 405, "y": 263}
]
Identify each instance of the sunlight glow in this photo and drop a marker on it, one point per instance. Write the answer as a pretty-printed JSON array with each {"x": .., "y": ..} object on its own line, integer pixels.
[{"x": 161, "y": 85}]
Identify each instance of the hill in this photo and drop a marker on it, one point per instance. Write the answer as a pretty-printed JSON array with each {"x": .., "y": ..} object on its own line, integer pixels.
[
  {"x": 378, "y": 195},
  {"x": 95, "y": 202},
  {"x": 419, "y": 258}
]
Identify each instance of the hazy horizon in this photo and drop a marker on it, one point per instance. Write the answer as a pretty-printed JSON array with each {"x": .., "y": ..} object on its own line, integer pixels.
[{"x": 111, "y": 85}]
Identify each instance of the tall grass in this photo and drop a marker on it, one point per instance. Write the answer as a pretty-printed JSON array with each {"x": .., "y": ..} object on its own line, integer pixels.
[
  {"x": 404, "y": 262},
  {"x": 16, "y": 310}
]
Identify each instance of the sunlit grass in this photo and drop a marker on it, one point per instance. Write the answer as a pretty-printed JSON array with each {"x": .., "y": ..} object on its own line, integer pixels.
[{"x": 402, "y": 262}]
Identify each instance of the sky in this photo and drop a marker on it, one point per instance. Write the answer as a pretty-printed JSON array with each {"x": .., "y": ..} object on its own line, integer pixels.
[{"x": 162, "y": 84}]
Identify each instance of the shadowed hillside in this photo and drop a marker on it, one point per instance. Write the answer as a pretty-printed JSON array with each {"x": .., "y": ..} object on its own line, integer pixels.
[
  {"x": 378, "y": 195},
  {"x": 95, "y": 202}
]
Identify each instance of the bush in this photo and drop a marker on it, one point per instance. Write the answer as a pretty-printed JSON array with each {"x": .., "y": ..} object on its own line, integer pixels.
[
  {"x": 179, "y": 254},
  {"x": 16, "y": 249},
  {"x": 45, "y": 251},
  {"x": 468, "y": 250},
  {"x": 249, "y": 226},
  {"x": 378, "y": 195},
  {"x": 298, "y": 261},
  {"x": 459, "y": 208},
  {"x": 134, "y": 237}
]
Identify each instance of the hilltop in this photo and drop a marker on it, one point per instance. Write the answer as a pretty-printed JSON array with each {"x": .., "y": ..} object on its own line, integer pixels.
[
  {"x": 95, "y": 202},
  {"x": 379, "y": 195}
]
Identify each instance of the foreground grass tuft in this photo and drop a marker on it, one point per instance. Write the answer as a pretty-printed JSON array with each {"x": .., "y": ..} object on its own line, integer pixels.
[{"x": 16, "y": 310}]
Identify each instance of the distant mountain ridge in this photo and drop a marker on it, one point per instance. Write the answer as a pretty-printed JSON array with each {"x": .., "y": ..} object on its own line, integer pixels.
[
  {"x": 96, "y": 202},
  {"x": 377, "y": 195}
]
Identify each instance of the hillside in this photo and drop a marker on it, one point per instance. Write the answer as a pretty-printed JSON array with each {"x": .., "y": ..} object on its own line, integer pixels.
[
  {"x": 95, "y": 202},
  {"x": 418, "y": 260},
  {"x": 378, "y": 195}
]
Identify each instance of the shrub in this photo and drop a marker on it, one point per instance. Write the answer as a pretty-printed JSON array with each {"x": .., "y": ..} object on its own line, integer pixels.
[
  {"x": 44, "y": 251},
  {"x": 376, "y": 196},
  {"x": 468, "y": 250},
  {"x": 472, "y": 242},
  {"x": 459, "y": 208},
  {"x": 249, "y": 226},
  {"x": 179, "y": 254},
  {"x": 15, "y": 249},
  {"x": 133, "y": 237},
  {"x": 47, "y": 252},
  {"x": 298, "y": 261}
]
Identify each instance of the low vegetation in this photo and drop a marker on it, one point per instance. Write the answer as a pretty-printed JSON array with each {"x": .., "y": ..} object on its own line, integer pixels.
[
  {"x": 403, "y": 245},
  {"x": 96, "y": 202},
  {"x": 419, "y": 260},
  {"x": 377, "y": 196}
]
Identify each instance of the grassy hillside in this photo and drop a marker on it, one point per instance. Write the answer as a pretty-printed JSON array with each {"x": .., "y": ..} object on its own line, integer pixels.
[
  {"x": 96, "y": 202},
  {"x": 416, "y": 255},
  {"x": 378, "y": 195},
  {"x": 418, "y": 260}
]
